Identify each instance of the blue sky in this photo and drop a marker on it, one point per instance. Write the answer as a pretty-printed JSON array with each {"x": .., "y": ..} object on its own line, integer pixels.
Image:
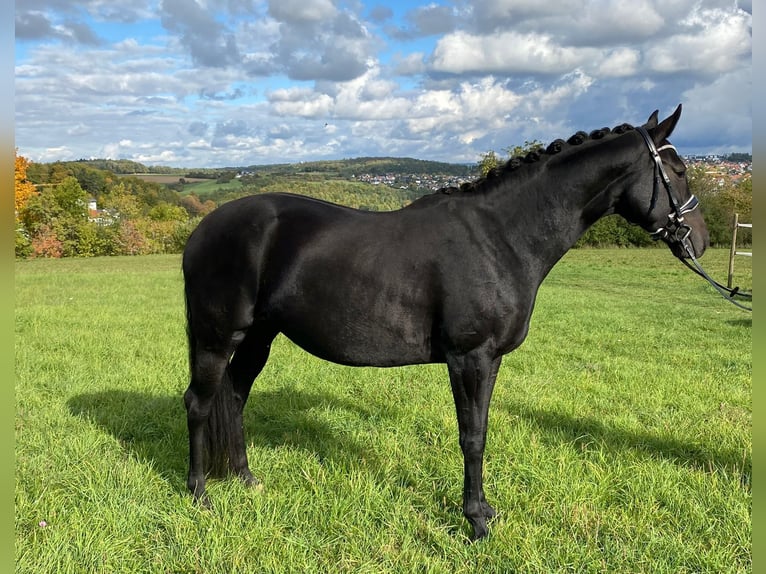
[{"x": 210, "y": 83}]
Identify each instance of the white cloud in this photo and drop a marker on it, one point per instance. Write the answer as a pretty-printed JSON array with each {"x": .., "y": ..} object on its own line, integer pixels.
[
  {"x": 620, "y": 62},
  {"x": 710, "y": 42},
  {"x": 369, "y": 98},
  {"x": 466, "y": 114},
  {"x": 572, "y": 86},
  {"x": 300, "y": 102},
  {"x": 506, "y": 52},
  {"x": 54, "y": 153},
  {"x": 409, "y": 64},
  {"x": 301, "y": 10},
  {"x": 162, "y": 157}
]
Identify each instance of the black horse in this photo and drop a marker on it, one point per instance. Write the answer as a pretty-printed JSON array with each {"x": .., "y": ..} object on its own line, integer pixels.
[{"x": 451, "y": 278}]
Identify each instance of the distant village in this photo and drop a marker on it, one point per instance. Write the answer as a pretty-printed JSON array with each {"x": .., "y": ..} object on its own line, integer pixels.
[
  {"x": 430, "y": 182},
  {"x": 732, "y": 168}
]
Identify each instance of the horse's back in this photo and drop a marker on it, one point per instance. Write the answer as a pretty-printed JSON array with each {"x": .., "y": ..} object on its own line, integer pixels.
[
  {"x": 240, "y": 221},
  {"x": 243, "y": 230}
]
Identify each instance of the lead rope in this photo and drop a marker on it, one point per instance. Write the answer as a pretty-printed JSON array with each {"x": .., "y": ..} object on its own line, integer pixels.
[{"x": 725, "y": 292}]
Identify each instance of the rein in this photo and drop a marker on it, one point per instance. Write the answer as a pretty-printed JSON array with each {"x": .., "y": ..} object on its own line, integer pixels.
[
  {"x": 676, "y": 229},
  {"x": 725, "y": 292}
]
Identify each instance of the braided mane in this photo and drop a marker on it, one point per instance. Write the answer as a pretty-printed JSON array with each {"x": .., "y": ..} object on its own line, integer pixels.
[{"x": 535, "y": 156}]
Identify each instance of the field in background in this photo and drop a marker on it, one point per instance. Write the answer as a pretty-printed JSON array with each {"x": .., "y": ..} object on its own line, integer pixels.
[
  {"x": 619, "y": 435},
  {"x": 164, "y": 179}
]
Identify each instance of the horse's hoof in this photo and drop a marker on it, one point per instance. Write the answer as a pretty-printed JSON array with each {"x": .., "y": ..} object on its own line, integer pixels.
[
  {"x": 478, "y": 535},
  {"x": 479, "y": 529},
  {"x": 250, "y": 481},
  {"x": 203, "y": 501}
]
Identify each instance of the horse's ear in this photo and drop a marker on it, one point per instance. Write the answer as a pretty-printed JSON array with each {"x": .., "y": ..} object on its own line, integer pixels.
[
  {"x": 653, "y": 119},
  {"x": 666, "y": 127}
]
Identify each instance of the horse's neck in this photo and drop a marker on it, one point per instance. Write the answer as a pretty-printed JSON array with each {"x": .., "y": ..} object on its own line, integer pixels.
[{"x": 545, "y": 212}]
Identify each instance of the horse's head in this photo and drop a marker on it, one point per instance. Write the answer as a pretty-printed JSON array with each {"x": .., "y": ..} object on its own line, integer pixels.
[{"x": 660, "y": 200}]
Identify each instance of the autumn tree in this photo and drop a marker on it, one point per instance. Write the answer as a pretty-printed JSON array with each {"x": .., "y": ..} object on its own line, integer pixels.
[
  {"x": 23, "y": 188},
  {"x": 194, "y": 207}
]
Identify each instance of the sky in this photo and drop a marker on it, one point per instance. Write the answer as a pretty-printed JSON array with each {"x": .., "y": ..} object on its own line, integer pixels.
[{"x": 216, "y": 83}]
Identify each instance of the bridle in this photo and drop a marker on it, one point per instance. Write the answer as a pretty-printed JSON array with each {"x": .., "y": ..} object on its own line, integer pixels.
[{"x": 677, "y": 230}]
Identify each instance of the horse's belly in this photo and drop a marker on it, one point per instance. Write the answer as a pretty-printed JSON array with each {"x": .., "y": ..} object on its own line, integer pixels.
[
  {"x": 362, "y": 342},
  {"x": 349, "y": 299}
]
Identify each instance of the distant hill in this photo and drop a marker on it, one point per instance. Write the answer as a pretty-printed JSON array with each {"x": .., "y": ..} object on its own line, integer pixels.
[
  {"x": 125, "y": 166},
  {"x": 373, "y": 166},
  {"x": 341, "y": 167}
]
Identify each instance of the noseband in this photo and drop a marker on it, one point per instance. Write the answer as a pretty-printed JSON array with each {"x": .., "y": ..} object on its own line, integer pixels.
[{"x": 677, "y": 230}]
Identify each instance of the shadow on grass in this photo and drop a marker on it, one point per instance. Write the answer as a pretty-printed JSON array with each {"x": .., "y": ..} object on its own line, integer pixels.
[
  {"x": 153, "y": 428},
  {"x": 586, "y": 433},
  {"x": 746, "y": 321}
]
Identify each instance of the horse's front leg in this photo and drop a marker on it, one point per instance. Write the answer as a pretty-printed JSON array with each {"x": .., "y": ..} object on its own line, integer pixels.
[
  {"x": 472, "y": 377},
  {"x": 247, "y": 363}
]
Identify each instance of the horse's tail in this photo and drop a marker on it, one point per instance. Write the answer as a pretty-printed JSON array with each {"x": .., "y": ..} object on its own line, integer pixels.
[
  {"x": 190, "y": 337},
  {"x": 222, "y": 421},
  {"x": 221, "y": 431}
]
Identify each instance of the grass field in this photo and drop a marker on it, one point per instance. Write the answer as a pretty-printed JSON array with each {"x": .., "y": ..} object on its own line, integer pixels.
[
  {"x": 164, "y": 179},
  {"x": 619, "y": 436},
  {"x": 199, "y": 186},
  {"x": 204, "y": 187}
]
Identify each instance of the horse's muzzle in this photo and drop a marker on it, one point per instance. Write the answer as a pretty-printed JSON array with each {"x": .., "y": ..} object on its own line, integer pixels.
[{"x": 685, "y": 242}]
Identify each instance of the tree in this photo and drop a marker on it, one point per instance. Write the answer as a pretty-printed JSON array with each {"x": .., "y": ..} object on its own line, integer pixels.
[
  {"x": 488, "y": 162},
  {"x": 522, "y": 150},
  {"x": 93, "y": 181},
  {"x": 45, "y": 243},
  {"x": 23, "y": 188},
  {"x": 194, "y": 207},
  {"x": 71, "y": 198},
  {"x": 166, "y": 212},
  {"x": 121, "y": 201}
]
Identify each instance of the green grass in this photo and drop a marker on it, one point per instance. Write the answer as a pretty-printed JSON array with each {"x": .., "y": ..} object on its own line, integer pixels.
[
  {"x": 206, "y": 187},
  {"x": 619, "y": 436}
]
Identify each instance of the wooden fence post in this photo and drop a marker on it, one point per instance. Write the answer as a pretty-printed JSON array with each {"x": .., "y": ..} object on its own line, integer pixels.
[{"x": 733, "y": 250}]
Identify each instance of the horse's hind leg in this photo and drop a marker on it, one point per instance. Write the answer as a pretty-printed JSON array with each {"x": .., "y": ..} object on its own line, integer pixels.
[
  {"x": 248, "y": 362},
  {"x": 207, "y": 372},
  {"x": 215, "y": 399}
]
